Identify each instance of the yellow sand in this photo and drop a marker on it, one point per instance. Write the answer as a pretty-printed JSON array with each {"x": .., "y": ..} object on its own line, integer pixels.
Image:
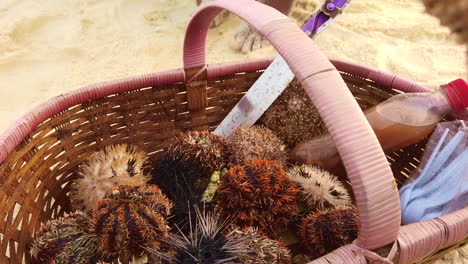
[{"x": 50, "y": 47}]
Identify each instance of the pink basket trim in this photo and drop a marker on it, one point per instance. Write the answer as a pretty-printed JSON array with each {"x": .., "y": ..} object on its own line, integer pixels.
[
  {"x": 342, "y": 255},
  {"x": 417, "y": 239},
  {"x": 21, "y": 128},
  {"x": 223, "y": 69}
]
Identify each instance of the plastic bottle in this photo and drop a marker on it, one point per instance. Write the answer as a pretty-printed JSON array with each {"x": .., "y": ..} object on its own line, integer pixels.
[{"x": 400, "y": 121}]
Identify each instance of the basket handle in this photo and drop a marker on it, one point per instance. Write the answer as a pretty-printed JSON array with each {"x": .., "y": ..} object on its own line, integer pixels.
[{"x": 367, "y": 167}]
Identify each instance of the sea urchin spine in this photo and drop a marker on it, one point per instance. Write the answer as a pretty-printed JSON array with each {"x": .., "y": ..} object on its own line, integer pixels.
[{"x": 207, "y": 242}]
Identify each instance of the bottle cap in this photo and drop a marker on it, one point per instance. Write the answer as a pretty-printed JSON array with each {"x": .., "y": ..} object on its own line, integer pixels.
[{"x": 457, "y": 93}]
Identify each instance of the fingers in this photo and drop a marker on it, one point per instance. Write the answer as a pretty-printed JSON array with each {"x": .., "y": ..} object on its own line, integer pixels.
[{"x": 248, "y": 39}]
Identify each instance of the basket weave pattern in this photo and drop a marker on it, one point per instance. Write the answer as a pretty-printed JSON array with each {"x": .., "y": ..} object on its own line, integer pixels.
[{"x": 40, "y": 153}]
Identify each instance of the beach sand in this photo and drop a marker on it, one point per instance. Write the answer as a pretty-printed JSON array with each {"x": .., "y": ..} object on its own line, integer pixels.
[{"x": 51, "y": 47}]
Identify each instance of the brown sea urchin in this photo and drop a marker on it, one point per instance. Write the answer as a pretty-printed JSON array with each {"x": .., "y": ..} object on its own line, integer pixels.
[
  {"x": 262, "y": 250},
  {"x": 114, "y": 165},
  {"x": 65, "y": 240},
  {"x": 129, "y": 218},
  {"x": 202, "y": 148},
  {"x": 319, "y": 189},
  {"x": 258, "y": 194},
  {"x": 324, "y": 231},
  {"x": 292, "y": 117},
  {"x": 257, "y": 142}
]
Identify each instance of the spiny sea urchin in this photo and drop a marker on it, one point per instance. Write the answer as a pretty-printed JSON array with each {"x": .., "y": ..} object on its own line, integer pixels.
[
  {"x": 65, "y": 240},
  {"x": 324, "y": 231},
  {"x": 319, "y": 189},
  {"x": 258, "y": 194},
  {"x": 129, "y": 218},
  {"x": 204, "y": 149},
  {"x": 262, "y": 250},
  {"x": 207, "y": 242},
  {"x": 185, "y": 172},
  {"x": 257, "y": 142},
  {"x": 292, "y": 117},
  {"x": 110, "y": 167},
  {"x": 177, "y": 177}
]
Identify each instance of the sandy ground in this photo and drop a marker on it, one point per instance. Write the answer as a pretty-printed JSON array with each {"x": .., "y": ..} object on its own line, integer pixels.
[{"x": 50, "y": 47}]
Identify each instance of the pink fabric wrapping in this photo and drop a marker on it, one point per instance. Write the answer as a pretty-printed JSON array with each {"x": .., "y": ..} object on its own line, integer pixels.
[
  {"x": 343, "y": 255},
  {"x": 418, "y": 239},
  {"x": 367, "y": 167}
]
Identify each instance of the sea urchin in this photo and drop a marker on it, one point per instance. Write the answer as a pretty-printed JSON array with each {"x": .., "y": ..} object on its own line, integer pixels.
[
  {"x": 319, "y": 189},
  {"x": 324, "y": 231},
  {"x": 65, "y": 240},
  {"x": 292, "y": 117},
  {"x": 114, "y": 165},
  {"x": 262, "y": 250},
  {"x": 129, "y": 218},
  {"x": 258, "y": 194},
  {"x": 257, "y": 142},
  {"x": 207, "y": 242}
]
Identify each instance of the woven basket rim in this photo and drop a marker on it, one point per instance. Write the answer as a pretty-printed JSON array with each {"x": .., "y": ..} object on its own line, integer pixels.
[{"x": 23, "y": 126}]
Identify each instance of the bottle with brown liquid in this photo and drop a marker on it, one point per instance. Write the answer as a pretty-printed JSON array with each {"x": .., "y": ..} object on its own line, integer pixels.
[{"x": 400, "y": 121}]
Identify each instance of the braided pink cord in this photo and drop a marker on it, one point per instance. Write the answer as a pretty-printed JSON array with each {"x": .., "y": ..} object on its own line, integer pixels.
[{"x": 367, "y": 167}]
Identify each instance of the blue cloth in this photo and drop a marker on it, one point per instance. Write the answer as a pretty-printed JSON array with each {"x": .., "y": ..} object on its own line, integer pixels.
[{"x": 442, "y": 184}]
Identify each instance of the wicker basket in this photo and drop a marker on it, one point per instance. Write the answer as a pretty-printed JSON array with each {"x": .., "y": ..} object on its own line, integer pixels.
[{"x": 39, "y": 154}]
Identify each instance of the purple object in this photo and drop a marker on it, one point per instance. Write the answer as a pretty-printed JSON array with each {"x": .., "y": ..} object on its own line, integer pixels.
[{"x": 330, "y": 10}]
